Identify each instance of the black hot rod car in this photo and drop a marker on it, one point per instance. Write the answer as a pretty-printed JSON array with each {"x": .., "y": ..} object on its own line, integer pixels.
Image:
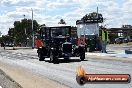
[{"x": 59, "y": 44}]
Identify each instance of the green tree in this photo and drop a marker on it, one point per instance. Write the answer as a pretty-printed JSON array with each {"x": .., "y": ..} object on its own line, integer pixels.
[
  {"x": 23, "y": 29},
  {"x": 11, "y": 32},
  {"x": 42, "y": 26},
  {"x": 1, "y": 39},
  {"x": 6, "y": 39},
  {"x": 62, "y": 21}
]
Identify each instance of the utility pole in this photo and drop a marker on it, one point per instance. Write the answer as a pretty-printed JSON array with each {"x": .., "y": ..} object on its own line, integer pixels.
[
  {"x": 13, "y": 38},
  {"x": 97, "y": 12},
  {"x": 0, "y": 33},
  {"x": 24, "y": 16},
  {"x": 24, "y": 25},
  {"x": 32, "y": 31},
  {"x": 97, "y": 26},
  {"x": 25, "y": 30}
]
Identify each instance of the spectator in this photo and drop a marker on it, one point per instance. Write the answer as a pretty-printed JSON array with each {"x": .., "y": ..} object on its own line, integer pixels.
[{"x": 104, "y": 38}]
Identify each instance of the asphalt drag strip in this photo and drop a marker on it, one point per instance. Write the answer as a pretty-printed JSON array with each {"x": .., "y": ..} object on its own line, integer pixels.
[{"x": 7, "y": 82}]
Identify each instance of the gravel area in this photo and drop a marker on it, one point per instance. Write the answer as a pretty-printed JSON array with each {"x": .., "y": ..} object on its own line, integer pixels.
[{"x": 7, "y": 82}]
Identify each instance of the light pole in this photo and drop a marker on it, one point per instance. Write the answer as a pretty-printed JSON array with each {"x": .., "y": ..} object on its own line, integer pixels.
[
  {"x": 0, "y": 33},
  {"x": 24, "y": 16},
  {"x": 13, "y": 39},
  {"x": 32, "y": 31},
  {"x": 25, "y": 30}
]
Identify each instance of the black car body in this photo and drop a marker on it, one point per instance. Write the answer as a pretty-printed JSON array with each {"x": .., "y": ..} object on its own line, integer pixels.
[{"x": 58, "y": 44}]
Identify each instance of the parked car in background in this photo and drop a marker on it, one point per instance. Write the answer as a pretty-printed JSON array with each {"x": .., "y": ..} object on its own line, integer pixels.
[
  {"x": 121, "y": 40},
  {"x": 9, "y": 44},
  {"x": 126, "y": 40},
  {"x": 130, "y": 38}
]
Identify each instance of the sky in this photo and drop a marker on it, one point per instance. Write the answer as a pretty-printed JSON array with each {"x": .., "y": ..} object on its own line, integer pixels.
[{"x": 49, "y": 12}]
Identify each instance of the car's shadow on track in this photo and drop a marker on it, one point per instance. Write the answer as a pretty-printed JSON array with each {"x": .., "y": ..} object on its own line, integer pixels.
[
  {"x": 111, "y": 52},
  {"x": 65, "y": 61}
]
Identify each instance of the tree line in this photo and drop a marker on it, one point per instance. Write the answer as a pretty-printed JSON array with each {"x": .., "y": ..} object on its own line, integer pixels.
[{"x": 22, "y": 31}]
